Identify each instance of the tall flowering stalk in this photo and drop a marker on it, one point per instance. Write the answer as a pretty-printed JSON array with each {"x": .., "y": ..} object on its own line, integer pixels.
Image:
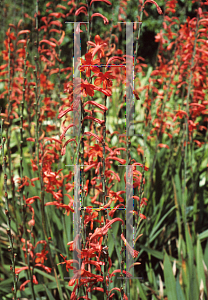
[
  {"x": 87, "y": 88},
  {"x": 7, "y": 213},
  {"x": 30, "y": 99}
]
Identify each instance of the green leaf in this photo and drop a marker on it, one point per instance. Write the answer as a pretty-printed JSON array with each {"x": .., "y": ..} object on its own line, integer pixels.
[
  {"x": 206, "y": 255},
  {"x": 141, "y": 292},
  {"x": 203, "y": 235},
  {"x": 152, "y": 237},
  {"x": 170, "y": 282},
  {"x": 179, "y": 292},
  {"x": 50, "y": 296},
  {"x": 199, "y": 264}
]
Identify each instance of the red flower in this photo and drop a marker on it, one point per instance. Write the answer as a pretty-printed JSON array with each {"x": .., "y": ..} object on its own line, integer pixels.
[
  {"x": 106, "y": 1},
  {"x": 83, "y": 273},
  {"x": 180, "y": 114},
  {"x": 103, "y": 230},
  {"x": 105, "y": 79},
  {"x": 142, "y": 216},
  {"x": 163, "y": 146},
  {"x": 97, "y": 46},
  {"x": 100, "y": 15},
  {"x": 68, "y": 263},
  {"x": 89, "y": 62},
  {"x": 95, "y": 151},
  {"x": 41, "y": 257},
  {"x": 87, "y": 89},
  {"x": 92, "y": 215},
  {"x": 57, "y": 204},
  {"x": 152, "y": 1},
  {"x": 82, "y": 9},
  {"x": 22, "y": 286},
  {"x": 133, "y": 252}
]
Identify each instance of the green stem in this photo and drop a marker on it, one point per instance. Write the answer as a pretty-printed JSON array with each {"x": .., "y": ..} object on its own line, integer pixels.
[
  {"x": 10, "y": 236},
  {"x": 21, "y": 176}
]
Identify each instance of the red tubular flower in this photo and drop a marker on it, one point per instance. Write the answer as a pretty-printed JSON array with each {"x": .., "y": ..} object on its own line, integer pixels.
[
  {"x": 63, "y": 151},
  {"x": 94, "y": 119},
  {"x": 95, "y": 151},
  {"x": 105, "y": 79},
  {"x": 142, "y": 216},
  {"x": 32, "y": 199},
  {"x": 106, "y": 1},
  {"x": 104, "y": 108},
  {"x": 87, "y": 88},
  {"x": 65, "y": 130},
  {"x": 18, "y": 270},
  {"x": 152, "y": 1},
  {"x": 82, "y": 9},
  {"x": 89, "y": 62},
  {"x": 115, "y": 58},
  {"x": 57, "y": 204},
  {"x": 100, "y": 15},
  {"x": 41, "y": 257},
  {"x": 133, "y": 252},
  {"x": 111, "y": 213},
  {"x": 103, "y": 230},
  {"x": 22, "y": 286},
  {"x": 180, "y": 114},
  {"x": 68, "y": 263},
  {"x": 47, "y": 269},
  {"x": 62, "y": 113},
  {"x": 122, "y": 161},
  {"x": 163, "y": 146},
  {"x": 48, "y": 42},
  {"x": 97, "y": 46},
  {"x": 83, "y": 273},
  {"x": 99, "y": 139}
]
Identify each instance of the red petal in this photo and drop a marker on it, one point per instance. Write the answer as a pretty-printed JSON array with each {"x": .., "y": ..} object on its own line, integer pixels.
[
  {"x": 100, "y": 15},
  {"x": 53, "y": 139},
  {"x": 98, "y": 81},
  {"x": 163, "y": 146},
  {"x": 21, "y": 41},
  {"x": 64, "y": 147},
  {"x": 48, "y": 4},
  {"x": 65, "y": 130},
  {"x": 48, "y": 42},
  {"x": 81, "y": 10},
  {"x": 32, "y": 199},
  {"x": 106, "y": 1},
  {"x": 22, "y": 286},
  {"x": 94, "y": 135},
  {"x": 142, "y": 216},
  {"x": 18, "y": 270},
  {"x": 105, "y": 92},
  {"x": 64, "y": 112},
  {"x": 96, "y": 104},
  {"x": 141, "y": 165},
  {"x": 152, "y": 1},
  {"x": 23, "y": 32},
  {"x": 62, "y": 38},
  {"x": 114, "y": 58},
  {"x": 35, "y": 280},
  {"x": 47, "y": 269},
  {"x": 90, "y": 167},
  {"x": 58, "y": 23},
  {"x": 122, "y": 161},
  {"x": 94, "y": 119},
  {"x": 56, "y": 15}
]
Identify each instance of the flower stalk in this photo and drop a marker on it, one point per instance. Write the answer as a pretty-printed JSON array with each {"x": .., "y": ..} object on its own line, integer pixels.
[{"x": 9, "y": 229}]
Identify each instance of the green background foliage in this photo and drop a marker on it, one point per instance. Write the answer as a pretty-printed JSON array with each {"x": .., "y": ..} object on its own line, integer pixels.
[{"x": 174, "y": 245}]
